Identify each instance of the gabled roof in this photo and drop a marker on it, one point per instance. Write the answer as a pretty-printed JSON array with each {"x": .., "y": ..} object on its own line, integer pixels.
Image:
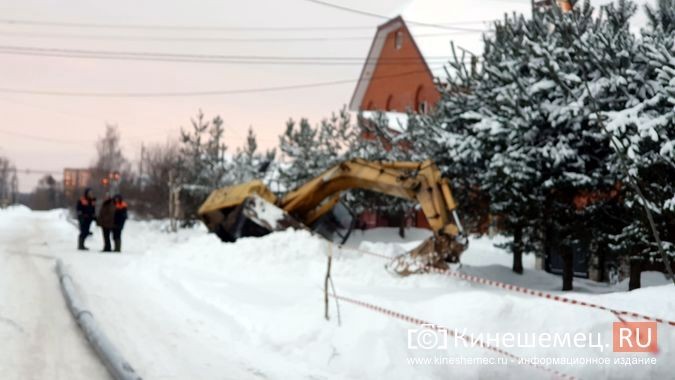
[{"x": 374, "y": 55}]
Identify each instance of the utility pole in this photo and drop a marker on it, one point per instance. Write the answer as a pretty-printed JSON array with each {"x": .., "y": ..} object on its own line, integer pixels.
[
  {"x": 172, "y": 202},
  {"x": 14, "y": 186},
  {"x": 140, "y": 168}
]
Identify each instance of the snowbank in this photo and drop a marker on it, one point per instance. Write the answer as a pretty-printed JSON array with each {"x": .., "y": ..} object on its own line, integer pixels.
[{"x": 188, "y": 306}]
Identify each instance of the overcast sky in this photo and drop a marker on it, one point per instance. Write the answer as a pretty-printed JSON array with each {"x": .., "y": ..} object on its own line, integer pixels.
[{"x": 69, "y": 126}]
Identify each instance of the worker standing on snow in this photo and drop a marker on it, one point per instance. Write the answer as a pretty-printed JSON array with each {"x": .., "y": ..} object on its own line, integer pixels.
[
  {"x": 119, "y": 219},
  {"x": 106, "y": 220},
  {"x": 86, "y": 213}
]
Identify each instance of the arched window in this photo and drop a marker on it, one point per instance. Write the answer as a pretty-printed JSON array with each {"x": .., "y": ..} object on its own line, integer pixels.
[
  {"x": 421, "y": 105},
  {"x": 390, "y": 103},
  {"x": 398, "y": 39}
]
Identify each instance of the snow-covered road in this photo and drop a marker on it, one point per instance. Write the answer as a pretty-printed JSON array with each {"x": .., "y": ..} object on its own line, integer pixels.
[
  {"x": 186, "y": 306},
  {"x": 39, "y": 338}
]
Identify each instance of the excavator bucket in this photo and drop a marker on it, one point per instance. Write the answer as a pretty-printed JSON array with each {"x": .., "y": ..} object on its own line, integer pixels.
[
  {"x": 435, "y": 252},
  {"x": 244, "y": 210}
]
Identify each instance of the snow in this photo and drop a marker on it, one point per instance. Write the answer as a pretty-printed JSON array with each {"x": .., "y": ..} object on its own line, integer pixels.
[
  {"x": 542, "y": 86},
  {"x": 265, "y": 213},
  {"x": 186, "y": 305},
  {"x": 397, "y": 121},
  {"x": 39, "y": 338}
]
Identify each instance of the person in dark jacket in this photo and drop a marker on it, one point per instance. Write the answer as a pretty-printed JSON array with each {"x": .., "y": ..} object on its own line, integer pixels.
[
  {"x": 106, "y": 220},
  {"x": 86, "y": 213},
  {"x": 119, "y": 218}
]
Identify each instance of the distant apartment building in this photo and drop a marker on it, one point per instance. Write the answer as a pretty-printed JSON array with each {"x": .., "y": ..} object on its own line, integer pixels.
[{"x": 75, "y": 180}]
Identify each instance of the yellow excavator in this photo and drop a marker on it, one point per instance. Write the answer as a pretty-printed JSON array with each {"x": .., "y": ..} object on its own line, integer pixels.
[{"x": 252, "y": 209}]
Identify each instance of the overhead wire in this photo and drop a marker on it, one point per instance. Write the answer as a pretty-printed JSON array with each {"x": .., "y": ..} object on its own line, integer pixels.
[
  {"x": 178, "y": 60},
  {"x": 192, "y": 39},
  {"x": 202, "y": 93},
  {"x": 74, "y": 53},
  {"x": 380, "y": 16},
  {"x": 37, "y": 171},
  {"x": 40, "y": 138},
  {"x": 274, "y": 58},
  {"x": 216, "y": 59},
  {"x": 79, "y": 115},
  {"x": 411, "y": 22},
  {"x": 203, "y": 27}
]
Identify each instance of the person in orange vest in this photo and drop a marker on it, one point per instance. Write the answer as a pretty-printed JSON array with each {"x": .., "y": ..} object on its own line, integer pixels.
[
  {"x": 119, "y": 219},
  {"x": 86, "y": 213}
]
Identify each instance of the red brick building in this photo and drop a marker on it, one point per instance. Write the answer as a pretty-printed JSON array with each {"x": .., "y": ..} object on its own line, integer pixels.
[
  {"x": 395, "y": 79},
  {"x": 395, "y": 76}
]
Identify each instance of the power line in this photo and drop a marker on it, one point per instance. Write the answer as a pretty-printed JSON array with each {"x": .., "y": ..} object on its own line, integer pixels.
[
  {"x": 79, "y": 115},
  {"x": 209, "y": 56},
  {"x": 201, "y": 28},
  {"x": 235, "y": 62},
  {"x": 42, "y": 138},
  {"x": 202, "y": 93},
  {"x": 215, "y": 39},
  {"x": 178, "y": 60},
  {"x": 38, "y": 171},
  {"x": 213, "y": 59},
  {"x": 365, "y": 13}
]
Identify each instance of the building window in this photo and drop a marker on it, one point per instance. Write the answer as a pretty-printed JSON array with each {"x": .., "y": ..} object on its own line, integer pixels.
[
  {"x": 389, "y": 104},
  {"x": 398, "y": 40},
  {"x": 423, "y": 107}
]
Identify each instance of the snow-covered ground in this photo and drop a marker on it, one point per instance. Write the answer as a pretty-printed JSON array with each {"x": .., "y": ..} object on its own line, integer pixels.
[{"x": 186, "y": 306}]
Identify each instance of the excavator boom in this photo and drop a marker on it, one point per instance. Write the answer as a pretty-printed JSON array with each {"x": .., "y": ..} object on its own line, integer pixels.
[{"x": 244, "y": 210}]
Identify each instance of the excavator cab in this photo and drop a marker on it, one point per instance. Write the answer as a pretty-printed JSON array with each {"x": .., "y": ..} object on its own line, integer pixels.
[
  {"x": 336, "y": 224},
  {"x": 245, "y": 210},
  {"x": 251, "y": 209}
]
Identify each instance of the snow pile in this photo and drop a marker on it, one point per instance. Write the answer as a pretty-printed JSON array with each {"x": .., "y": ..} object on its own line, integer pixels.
[
  {"x": 188, "y": 306},
  {"x": 257, "y": 304}
]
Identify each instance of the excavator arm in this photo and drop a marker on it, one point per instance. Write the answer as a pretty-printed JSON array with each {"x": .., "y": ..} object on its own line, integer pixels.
[
  {"x": 225, "y": 209},
  {"x": 415, "y": 181}
]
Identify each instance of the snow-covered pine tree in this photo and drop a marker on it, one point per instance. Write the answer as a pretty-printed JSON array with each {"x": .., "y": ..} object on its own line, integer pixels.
[
  {"x": 447, "y": 137},
  {"x": 586, "y": 51},
  {"x": 311, "y": 150},
  {"x": 514, "y": 92},
  {"x": 526, "y": 126},
  {"x": 301, "y": 145},
  {"x": 248, "y": 164},
  {"x": 662, "y": 17},
  {"x": 202, "y": 164},
  {"x": 644, "y": 132}
]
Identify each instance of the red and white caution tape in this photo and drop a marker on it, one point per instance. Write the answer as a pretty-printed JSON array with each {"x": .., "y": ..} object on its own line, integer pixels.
[
  {"x": 453, "y": 333},
  {"x": 528, "y": 291},
  {"x": 538, "y": 293}
]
